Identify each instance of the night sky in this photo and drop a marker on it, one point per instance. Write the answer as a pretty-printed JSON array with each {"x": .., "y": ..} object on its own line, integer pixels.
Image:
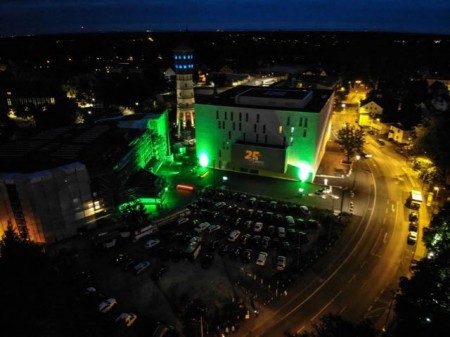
[{"x": 22, "y": 17}]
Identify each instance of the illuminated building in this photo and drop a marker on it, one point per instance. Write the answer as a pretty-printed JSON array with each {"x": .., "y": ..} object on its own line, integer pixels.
[
  {"x": 266, "y": 131},
  {"x": 61, "y": 181},
  {"x": 184, "y": 66}
]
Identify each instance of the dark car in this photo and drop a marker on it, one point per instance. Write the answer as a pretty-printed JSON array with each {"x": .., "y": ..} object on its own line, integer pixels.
[
  {"x": 247, "y": 255},
  {"x": 121, "y": 257},
  {"x": 206, "y": 261},
  {"x": 156, "y": 275},
  {"x": 213, "y": 245},
  {"x": 224, "y": 249},
  {"x": 381, "y": 141},
  {"x": 129, "y": 263}
]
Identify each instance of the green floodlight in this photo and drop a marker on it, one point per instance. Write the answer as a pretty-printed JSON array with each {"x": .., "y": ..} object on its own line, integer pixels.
[
  {"x": 204, "y": 160},
  {"x": 304, "y": 170}
]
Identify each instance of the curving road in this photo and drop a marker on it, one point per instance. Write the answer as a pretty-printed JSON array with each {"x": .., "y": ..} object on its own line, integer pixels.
[{"x": 358, "y": 277}]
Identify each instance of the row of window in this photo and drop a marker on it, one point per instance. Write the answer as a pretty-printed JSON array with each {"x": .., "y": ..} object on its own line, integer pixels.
[
  {"x": 221, "y": 125},
  {"x": 183, "y": 57},
  {"x": 184, "y": 66},
  {"x": 244, "y": 137},
  {"x": 303, "y": 121}
]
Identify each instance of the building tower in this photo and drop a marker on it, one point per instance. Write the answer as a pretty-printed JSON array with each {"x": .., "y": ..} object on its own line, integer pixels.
[{"x": 184, "y": 66}]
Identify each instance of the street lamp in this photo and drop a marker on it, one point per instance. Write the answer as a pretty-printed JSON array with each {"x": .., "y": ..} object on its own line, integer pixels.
[{"x": 358, "y": 157}]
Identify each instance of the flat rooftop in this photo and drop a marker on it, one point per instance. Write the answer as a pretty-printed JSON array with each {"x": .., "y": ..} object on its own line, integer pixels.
[{"x": 311, "y": 100}]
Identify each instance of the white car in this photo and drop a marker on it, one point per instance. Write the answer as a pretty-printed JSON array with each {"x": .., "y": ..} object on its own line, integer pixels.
[
  {"x": 126, "y": 319},
  {"x": 141, "y": 266},
  {"x": 151, "y": 243},
  {"x": 234, "y": 235},
  {"x": 258, "y": 227},
  {"x": 107, "y": 305},
  {"x": 281, "y": 262},
  {"x": 262, "y": 257},
  {"x": 304, "y": 210},
  {"x": 412, "y": 236}
]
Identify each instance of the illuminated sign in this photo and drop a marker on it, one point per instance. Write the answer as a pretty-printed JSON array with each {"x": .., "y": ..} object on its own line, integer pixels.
[{"x": 255, "y": 157}]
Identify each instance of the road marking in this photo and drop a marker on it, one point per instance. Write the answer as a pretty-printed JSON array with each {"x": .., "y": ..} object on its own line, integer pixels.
[
  {"x": 362, "y": 286},
  {"x": 351, "y": 278},
  {"x": 369, "y": 308},
  {"x": 387, "y": 210},
  {"x": 326, "y": 305},
  {"x": 300, "y": 330},
  {"x": 362, "y": 265},
  {"x": 342, "y": 310},
  {"x": 385, "y": 237}
]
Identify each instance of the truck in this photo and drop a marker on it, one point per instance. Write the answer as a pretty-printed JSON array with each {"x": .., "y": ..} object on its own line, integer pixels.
[{"x": 415, "y": 199}]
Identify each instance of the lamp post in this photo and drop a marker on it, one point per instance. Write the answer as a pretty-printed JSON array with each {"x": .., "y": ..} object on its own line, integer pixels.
[
  {"x": 356, "y": 167},
  {"x": 436, "y": 189}
]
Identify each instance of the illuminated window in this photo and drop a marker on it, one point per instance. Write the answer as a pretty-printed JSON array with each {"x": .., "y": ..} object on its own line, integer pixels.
[
  {"x": 291, "y": 141},
  {"x": 96, "y": 205},
  {"x": 292, "y": 129},
  {"x": 280, "y": 129},
  {"x": 9, "y": 101}
]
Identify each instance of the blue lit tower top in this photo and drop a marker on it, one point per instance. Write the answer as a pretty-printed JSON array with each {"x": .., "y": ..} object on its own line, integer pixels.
[{"x": 184, "y": 60}]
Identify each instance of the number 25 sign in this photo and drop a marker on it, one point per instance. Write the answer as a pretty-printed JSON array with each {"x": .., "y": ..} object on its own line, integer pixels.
[{"x": 252, "y": 155}]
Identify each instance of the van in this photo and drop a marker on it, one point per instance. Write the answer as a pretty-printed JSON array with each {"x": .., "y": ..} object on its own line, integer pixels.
[{"x": 290, "y": 221}]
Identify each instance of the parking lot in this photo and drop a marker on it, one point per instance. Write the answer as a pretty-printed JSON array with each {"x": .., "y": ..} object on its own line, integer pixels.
[{"x": 209, "y": 256}]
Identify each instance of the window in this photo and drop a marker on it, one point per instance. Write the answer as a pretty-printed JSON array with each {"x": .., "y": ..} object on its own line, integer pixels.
[
  {"x": 291, "y": 140},
  {"x": 218, "y": 122},
  {"x": 225, "y": 115},
  {"x": 254, "y": 127},
  {"x": 257, "y": 118},
  {"x": 280, "y": 129},
  {"x": 229, "y": 134},
  {"x": 246, "y": 117},
  {"x": 243, "y": 136},
  {"x": 300, "y": 123},
  {"x": 292, "y": 129},
  {"x": 304, "y": 132},
  {"x": 217, "y": 114},
  {"x": 288, "y": 120},
  {"x": 223, "y": 124},
  {"x": 257, "y": 138},
  {"x": 306, "y": 122},
  {"x": 240, "y": 116}
]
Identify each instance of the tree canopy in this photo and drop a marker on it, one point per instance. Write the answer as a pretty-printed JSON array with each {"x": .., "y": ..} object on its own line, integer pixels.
[{"x": 351, "y": 139}]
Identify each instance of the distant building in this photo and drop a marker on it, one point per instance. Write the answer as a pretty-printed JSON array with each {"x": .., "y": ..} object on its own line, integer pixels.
[
  {"x": 400, "y": 133},
  {"x": 61, "y": 180},
  {"x": 272, "y": 132},
  {"x": 370, "y": 113}
]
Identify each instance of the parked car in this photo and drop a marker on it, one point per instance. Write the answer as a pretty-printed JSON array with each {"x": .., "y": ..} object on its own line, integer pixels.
[
  {"x": 151, "y": 243},
  {"x": 414, "y": 216},
  {"x": 245, "y": 238},
  {"x": 126, "y": 319},
  {"x": 223, "y": 250},
  {"x": 412, "y": 237},
  {"x": 234, "y": 235},
  {"x": 141, "y": 266},
  {"x": 265, "y": 242},
  {"x": 258, "y": 227},
  {"x": 213, "y": 228},
  {"x": 262, "y": 257},
  {"x": 304, "y": 210},
  {"x": 202, "y": 227},
  {"x": 247, "y": 255},
  {"x": 281, "y": 232},
  {"x": 380, "y": 141},
  {"x": 107, "y": 305},
  {"x": 281, "y": 262}
]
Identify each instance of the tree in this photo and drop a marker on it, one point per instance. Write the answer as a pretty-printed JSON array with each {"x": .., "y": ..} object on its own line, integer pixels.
[
  {"x": 351, "y": 139},
  {"x": 332, "y": 325},
  {"x": 134, "y": 214},
  {"x": 423, "y": 305}
]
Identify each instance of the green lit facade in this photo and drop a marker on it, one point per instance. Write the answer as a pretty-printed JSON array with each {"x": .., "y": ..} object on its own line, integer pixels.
[{"x": 266, "y": 131}]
